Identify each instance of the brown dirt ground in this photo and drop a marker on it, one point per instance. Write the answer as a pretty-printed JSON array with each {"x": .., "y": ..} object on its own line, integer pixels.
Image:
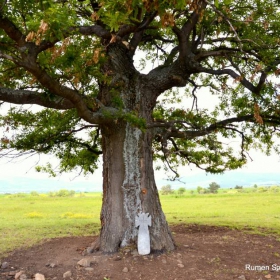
[{"x": 204, "y": 252}]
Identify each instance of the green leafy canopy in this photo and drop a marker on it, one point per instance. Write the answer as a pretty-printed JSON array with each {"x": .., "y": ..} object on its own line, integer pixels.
[{"x": 57, "y": 54}]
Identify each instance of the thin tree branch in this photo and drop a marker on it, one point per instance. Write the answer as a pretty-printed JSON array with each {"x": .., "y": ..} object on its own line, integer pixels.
[
  {"x": 191, "y": 134},
  {"x": 93, "y": 30},
  {"x": 233, "y": 74},
  {"x": 213, "y": 53},
  {"x": 11, "y": 30},
  {"x": 228, "y": 21},
  {"x": 3, "y": 5},
  {"x": 6, "y": 56}
]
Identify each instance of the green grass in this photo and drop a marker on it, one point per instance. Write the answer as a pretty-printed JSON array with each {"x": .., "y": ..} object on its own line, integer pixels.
[
  {"x": 26, "y": 220},
  {"x": 257, "y": 211}
]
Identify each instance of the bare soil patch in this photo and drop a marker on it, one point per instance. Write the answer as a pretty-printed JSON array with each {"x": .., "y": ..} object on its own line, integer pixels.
[{"x": 204, "y": 252}]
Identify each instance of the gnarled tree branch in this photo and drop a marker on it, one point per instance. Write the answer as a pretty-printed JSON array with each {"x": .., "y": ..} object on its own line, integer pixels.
[
  {"x": 19, "y": 96},
  {"x": 169, "y": 130}
]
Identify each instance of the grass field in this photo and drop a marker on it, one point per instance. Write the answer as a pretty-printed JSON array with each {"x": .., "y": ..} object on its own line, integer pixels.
[{"x": 27, "y": 219}]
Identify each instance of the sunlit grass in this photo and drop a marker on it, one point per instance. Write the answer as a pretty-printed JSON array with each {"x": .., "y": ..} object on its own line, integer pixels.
[
  {"x": 26, "y": 219},
  {"x": 71, "y": 215},
  {"x": 258, "y": 211},
  {"x": 34, "y": 215}
]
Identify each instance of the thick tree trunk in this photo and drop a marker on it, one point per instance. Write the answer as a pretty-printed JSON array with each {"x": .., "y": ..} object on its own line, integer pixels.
[
  {"x": 128, "y": 177},
  {"x": 129, "y": 188}
]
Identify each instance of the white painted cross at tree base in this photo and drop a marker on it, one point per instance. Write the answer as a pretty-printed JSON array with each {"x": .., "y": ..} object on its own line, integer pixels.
[{"x": 143, "y": 220}]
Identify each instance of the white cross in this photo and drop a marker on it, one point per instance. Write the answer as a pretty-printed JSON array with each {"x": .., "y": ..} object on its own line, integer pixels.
[{"x": 143, "y": 221}]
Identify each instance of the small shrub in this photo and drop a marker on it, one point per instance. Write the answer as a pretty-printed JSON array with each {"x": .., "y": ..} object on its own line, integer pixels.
[
  {"x": 213, "y": 187},
  {"x": 34, "y": 193},
  {"x": 262, "y": 189},
  {"x": 65, "y": 193},
  {"x": 51, "y": 194},
  {"x": 62, "y": 193},
  {"x": 274, "y": 189},
  {"x": 181, "y": 191},
  {"x": 203, "y": 191},
  {"x": 166, "y": 190},
  {"x": 19, "y": 195},
  {"x": 198, "y": 189}
]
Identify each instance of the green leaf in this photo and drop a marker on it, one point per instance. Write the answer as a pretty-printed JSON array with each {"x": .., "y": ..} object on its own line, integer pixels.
[{"x": 227, "y": 2}]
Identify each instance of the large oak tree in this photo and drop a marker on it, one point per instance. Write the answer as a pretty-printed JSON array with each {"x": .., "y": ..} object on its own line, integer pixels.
[{"x": 86, "y": 62}]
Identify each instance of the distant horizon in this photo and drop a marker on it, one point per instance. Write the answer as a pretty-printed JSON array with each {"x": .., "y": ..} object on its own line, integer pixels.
[
  {"x": 227, "y": 180},
  {"x": 20, "y": 176}
]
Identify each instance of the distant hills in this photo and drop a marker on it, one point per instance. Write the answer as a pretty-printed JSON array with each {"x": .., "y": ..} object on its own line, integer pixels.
[
  {"x": 232, "y": 178},
  {"x": 26, "y": 185},
  {"x": 228, "y": 180}
]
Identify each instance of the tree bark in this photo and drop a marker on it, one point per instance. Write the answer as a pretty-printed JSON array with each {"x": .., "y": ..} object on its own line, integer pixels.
[{"x": 128, "y": 189}]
